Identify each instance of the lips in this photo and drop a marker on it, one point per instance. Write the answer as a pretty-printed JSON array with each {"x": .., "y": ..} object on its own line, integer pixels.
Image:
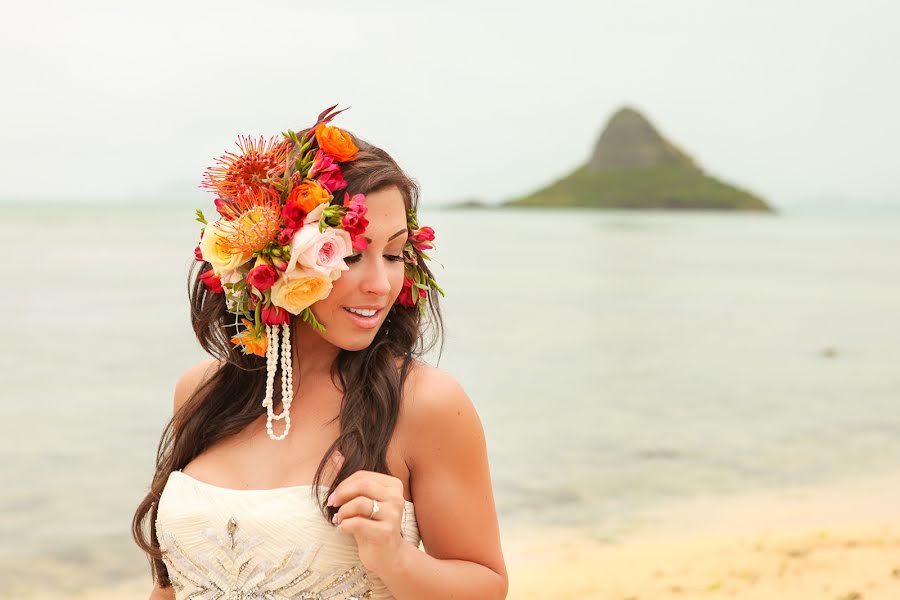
[{"x": 364, "y": 322}]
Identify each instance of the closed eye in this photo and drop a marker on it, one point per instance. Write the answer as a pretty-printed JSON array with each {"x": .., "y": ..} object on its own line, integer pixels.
[{"x": 355, "y": 258}]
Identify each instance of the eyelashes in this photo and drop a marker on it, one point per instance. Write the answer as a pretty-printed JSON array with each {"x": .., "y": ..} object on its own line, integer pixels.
[{"x": 355, "y": 258}]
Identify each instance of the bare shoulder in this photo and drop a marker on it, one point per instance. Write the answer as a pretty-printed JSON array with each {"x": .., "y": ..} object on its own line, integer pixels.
[
  {"x": 437, "y": 414},
  {"x": 430, "y": 391},
  {"x": 192, "y": 379}
]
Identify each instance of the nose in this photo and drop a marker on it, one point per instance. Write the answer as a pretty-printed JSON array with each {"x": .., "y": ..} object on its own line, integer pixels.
[{"x": 375, "y": 279}]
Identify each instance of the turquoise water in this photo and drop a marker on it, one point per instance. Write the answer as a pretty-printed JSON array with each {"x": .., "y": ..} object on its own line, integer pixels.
[{"x": 619, "y": 361}]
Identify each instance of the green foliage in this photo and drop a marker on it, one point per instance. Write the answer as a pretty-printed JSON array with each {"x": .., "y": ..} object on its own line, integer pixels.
[{"x": 307, "y": 316}]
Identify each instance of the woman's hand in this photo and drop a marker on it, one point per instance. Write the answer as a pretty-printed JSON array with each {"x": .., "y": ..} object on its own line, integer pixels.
[{"x": 378, "y": 539}]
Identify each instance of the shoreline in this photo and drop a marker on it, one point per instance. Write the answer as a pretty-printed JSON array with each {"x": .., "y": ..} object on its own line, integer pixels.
[{"x": 839, "y": 541}]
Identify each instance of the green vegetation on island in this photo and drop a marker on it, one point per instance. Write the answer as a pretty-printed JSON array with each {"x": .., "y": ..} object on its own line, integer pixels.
[{"x": 633, "y": 166}]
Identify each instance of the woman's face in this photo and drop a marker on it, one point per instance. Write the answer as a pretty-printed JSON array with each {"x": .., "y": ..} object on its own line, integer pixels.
[{"x": 374, "y": 280}]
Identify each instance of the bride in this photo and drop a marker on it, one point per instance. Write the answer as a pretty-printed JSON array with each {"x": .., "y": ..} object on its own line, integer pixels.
[{"x": 316, "y": 456}]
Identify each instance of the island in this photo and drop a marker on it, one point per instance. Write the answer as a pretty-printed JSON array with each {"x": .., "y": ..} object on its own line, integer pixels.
[{"x": 634, "y": 167}]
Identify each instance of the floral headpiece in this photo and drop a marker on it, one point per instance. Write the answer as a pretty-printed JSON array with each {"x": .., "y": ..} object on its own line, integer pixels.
[{"x": 282, "y": 239}]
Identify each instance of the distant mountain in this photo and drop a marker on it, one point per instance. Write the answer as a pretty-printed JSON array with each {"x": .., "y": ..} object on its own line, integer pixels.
[{"x": 633, "y": 166}]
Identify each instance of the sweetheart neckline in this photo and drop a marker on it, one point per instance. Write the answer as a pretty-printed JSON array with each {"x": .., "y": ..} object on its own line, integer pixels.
[{"x": 251, "y": 491}]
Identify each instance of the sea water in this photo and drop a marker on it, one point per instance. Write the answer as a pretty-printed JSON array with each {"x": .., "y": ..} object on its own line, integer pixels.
[{"x": 619, "y": 361}]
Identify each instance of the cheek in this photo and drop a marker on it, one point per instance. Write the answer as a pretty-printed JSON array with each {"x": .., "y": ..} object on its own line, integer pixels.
[{"x": 397, "y": 275}]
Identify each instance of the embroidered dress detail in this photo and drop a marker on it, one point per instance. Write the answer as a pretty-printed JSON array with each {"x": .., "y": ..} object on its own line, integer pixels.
[{"x": 227, "y": 544}]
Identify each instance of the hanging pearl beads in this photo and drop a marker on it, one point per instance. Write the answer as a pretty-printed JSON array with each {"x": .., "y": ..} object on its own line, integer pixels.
[{"x": 287, "y": 378}]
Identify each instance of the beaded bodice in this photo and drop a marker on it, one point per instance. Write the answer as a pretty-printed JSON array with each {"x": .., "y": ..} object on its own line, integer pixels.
[{"x": 227, "y": 544}]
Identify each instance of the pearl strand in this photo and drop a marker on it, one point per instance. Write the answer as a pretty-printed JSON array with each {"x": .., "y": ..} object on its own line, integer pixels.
[{"x": 286, "y": 379}]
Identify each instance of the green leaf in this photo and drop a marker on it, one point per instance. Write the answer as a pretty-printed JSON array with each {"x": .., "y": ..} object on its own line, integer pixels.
[{"x": 200, "y": 217}]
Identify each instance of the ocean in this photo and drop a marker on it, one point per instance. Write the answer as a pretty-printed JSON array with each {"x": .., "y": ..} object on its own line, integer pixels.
[{"x": 620, "y": 362}]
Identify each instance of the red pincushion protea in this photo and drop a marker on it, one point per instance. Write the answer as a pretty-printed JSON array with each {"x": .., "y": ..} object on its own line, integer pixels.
[{"x": 258, "y": 160}]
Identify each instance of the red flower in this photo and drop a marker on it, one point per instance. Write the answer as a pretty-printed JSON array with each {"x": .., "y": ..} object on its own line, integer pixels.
[
  {"x": 274, "y": 315},
  {"x": 198, "y": 254},
  {"x": 406, "y": 297},
  {"x": 226, "y": 209},
  {"x": 293, "y": 215},
  {"x": 262, "y": 277},
  {"x": 212, "y": 282},
  {"x": 249, "y": 168},
  {"x": 284, "y": 236},
  {"x": 420, "y": 236}
]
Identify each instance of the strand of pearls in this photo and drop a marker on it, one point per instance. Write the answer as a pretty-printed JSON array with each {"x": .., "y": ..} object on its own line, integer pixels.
[{"x": 287, "y": 378}]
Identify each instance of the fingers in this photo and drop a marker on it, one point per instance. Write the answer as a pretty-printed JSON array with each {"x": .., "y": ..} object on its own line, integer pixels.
[
  {"x": 366, "y": 483},
  {"x": 360, "y": 506}
]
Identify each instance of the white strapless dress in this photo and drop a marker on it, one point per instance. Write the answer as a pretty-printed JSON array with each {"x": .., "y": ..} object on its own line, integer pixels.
[{"x": 227, "y": 544}]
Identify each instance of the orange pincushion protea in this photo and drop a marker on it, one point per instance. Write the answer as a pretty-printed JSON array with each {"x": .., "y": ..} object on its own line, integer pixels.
[{"x": 257, "y": 161}]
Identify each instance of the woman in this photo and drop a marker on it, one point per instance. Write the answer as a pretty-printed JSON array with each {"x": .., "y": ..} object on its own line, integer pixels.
[{"x": 375, "y": 451}]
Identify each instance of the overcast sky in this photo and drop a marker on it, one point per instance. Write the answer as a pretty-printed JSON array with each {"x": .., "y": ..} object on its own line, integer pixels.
[{"x": 797, "y": 101}]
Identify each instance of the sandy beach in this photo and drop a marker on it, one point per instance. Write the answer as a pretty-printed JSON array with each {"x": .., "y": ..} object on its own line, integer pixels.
[{"x": 840, "y": 542}]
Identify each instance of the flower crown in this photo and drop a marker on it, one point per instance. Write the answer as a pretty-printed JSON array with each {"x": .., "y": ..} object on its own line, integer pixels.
[{"x": 283, "y": 236}]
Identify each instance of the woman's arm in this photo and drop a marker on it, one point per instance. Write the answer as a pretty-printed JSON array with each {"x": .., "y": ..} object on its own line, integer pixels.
[
  {"x": 451, "y": 486},
  {"x": 159, "y": 593},
  {"x": 444, "y": 447}
]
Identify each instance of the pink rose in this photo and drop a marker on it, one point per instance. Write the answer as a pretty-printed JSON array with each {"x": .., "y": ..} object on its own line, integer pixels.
[
  {"x": 314, "y": 215},
  {"x": 320, "y": 253},
  {"x": 262, "y": 277}
]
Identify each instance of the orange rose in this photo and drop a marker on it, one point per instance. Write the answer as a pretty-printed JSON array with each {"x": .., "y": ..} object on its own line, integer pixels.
[
  {"x": 308, "y": 195},
  {"x": 336, "y": 142}
]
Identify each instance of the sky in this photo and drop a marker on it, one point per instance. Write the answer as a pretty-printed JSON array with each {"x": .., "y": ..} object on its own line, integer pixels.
[{"x": 125, "y": 102}]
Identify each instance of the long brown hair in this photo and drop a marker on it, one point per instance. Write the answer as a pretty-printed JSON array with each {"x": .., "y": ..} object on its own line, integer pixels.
[{"x": 225, "y": 403}]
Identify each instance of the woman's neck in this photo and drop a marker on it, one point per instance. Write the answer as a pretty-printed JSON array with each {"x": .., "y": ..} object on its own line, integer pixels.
[{"x": 313, "y": 354}]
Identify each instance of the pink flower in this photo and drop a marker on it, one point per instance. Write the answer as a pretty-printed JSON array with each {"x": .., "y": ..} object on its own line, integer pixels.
[
  {"x": 274, "y": 315},
  {"x": 327, "y": 172},
  {"x": 213, "y": 283},
  {"x": 262, "y": 277},
  {"x": 354, "y": 221},
  {"x": 320, "y": 253},
  {"x": 285, "y": 236},
  {"x": 420, "y": 236}
]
